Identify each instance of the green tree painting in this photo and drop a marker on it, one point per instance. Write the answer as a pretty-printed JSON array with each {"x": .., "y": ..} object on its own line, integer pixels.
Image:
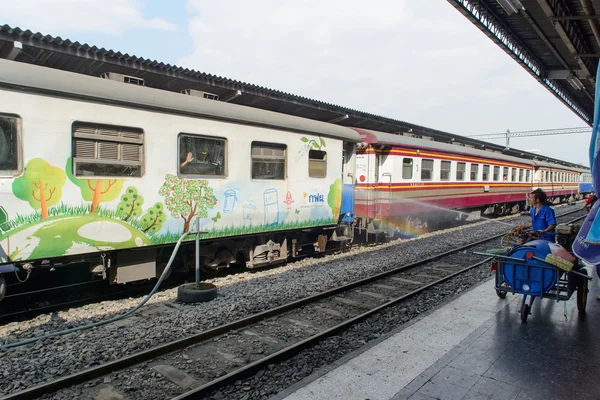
[
  {"x": 334, "y": 198},
  {"x": 41, "y": 185},
  {"x": 313, "y": 143},
  {"x": 154, "y": 218},
  {"x": 131, "y": 204},
  {"x": 95, "y": 190},
  {"x": 187, "y": 198}
]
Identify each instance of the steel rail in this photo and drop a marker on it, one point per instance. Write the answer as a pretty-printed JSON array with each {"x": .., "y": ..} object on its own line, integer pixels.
[{"x": 149, "y": 354}]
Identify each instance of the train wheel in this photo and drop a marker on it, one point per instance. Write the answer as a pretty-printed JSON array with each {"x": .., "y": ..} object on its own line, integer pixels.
[
  {"x": 582, "y": 293},
  {"x": 189, "y": 293},
  {"x": 2, "y": 287}
]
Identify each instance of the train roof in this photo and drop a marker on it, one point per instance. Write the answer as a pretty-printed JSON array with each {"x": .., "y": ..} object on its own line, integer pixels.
[
  {"x": 82, "y": 58},
  {"x": 28, "y": 77},
  {"x": 373, "y": 137},
  {"x": 539, "y": 163}
]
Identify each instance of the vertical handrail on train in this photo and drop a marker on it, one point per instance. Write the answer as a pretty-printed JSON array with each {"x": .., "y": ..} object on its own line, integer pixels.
[{"x": 389, "y": 191}]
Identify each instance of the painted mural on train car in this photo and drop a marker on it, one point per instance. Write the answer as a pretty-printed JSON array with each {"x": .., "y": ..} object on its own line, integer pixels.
[{"x": 40, "y": 221}]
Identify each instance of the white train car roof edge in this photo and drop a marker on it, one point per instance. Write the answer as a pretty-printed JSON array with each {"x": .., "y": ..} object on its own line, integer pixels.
[
  {"x": 373, "y": 137},
  {"x": 22, "y": 76}
]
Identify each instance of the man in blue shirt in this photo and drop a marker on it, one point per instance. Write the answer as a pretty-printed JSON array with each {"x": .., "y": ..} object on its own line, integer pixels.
[{"x": 543, "y": 220}]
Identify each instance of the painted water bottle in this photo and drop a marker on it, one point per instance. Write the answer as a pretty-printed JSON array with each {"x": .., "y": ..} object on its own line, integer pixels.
[
  {"x": 271, "y": 207},
  {"x": 229, "y": 202}
]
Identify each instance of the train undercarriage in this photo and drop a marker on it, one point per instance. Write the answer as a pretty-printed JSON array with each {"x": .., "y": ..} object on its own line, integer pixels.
[{"x": 140, "y": 265}]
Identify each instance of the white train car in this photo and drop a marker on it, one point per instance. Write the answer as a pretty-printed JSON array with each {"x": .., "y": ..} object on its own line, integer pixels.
[
  {"x": 558, "y": 181},
  {"x": 108, "y": 172}
]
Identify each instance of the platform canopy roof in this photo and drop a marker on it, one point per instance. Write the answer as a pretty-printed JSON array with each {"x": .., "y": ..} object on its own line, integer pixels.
[
  {"x": 55, "y": 52},
  {"x": 556, "y": 41}
]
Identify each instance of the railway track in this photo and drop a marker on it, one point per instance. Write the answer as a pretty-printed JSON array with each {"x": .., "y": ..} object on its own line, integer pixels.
[{"x": 251, "y": 344}]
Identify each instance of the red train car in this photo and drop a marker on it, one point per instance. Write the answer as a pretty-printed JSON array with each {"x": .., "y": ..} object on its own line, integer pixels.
[{"x": 409, "y": 185}]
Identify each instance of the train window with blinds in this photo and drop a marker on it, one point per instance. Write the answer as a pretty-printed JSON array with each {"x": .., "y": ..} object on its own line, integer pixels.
[
  {"x": 461, "y": 168},
  {"x": 407, "y": 168},
  {"x": 505, "y": 174},
  {"x": 10, "y": 148},
  {"x": 513, "y": 176},
  {"x": 107, "y": 151},
  {"x": 268, "y": 161},
  {"x": 445, "y": 171},
  {"x": 496, "y": 174},
  {"x": 521, "y": 174},
  {"x": 474, "y": 172},
  {"x": 528, "y": 176},
  {"x": 202, "y": 156},
  {"x": 317, "y": 164},
  {"x": 486, "y": 173},
  {"x": 426, "y": 169},
  {"x": 547, "y": 179}
]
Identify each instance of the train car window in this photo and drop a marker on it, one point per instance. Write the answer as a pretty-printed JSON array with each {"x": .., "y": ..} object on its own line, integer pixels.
[
  {"x": 107, "y": 151},
  {"x": 496, "y": 174},
  {"x": 461, "y": 168},
  {"x": 445, "y": 171},
  {"x": 521, "y": 174},
  {"x": 528, "y": 176},
  {"x": 547, "y": 177},
  {"x": 202, "y": 156},
  {"x": 268, "y": 160},
  {"x": 505, "y": 174},
  {"x": 317, "y": 163},
  {"x": 474, "y": 171},
  {"x": 513, "y": 176},
  {"x": 407, "y": 168},
  {"x": 426, "y": 170},
  {"x": 10, "y": 129},
  {"x": 486, "y": 173}
]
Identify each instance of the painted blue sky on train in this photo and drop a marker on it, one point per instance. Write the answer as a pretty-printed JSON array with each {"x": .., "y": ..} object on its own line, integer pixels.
[{"x": 417, "y": 61}]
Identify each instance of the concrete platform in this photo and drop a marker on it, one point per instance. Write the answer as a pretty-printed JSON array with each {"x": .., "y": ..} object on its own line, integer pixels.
[{"x": 474, "y": 347}]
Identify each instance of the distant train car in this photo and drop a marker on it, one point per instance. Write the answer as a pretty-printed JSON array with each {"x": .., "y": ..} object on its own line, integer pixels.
[
  {"x": 585, "y": 183},
  {"x": 405, "y": 183},
  {"x": 110, "y": 174},
  {"x": 559, "y": 182}
]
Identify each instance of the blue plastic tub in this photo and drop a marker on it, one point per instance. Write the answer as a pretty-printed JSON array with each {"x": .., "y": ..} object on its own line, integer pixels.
[{"x": 535, "y": 277}]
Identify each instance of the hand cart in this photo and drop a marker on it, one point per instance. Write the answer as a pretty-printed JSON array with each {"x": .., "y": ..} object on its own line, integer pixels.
[{"x": 531, "y": 269}]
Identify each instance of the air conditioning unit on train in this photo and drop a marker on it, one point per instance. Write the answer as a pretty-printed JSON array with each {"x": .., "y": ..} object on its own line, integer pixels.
[
  {"x": 123, "y": 78},
  {"x": 200, "y": 93}
]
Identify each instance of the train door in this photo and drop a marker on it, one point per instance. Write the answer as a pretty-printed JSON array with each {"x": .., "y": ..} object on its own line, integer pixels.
[
  {"x": 348, "y": 181},
  {"x": 383, "y": 186}
]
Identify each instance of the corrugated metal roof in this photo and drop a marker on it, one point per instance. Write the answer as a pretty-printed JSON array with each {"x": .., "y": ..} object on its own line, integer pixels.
[
  {"x": 64, "y": 54},
  {"x": 552, "y": 40}
]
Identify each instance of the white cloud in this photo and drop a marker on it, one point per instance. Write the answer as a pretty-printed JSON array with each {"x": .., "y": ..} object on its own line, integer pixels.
[
  {"x": 110, "y": 17},
  {"x": 417, "y": 61}
]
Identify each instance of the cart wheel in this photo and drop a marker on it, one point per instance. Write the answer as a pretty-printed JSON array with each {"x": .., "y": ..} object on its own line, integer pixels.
[
  {"x": 524, "y": 313},
  {"x": 502, "y": 293},
  {"x": 582, "y": 292}
]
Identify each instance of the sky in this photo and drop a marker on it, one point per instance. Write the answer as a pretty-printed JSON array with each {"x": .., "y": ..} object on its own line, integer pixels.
[{"x": 417, "y": 61}]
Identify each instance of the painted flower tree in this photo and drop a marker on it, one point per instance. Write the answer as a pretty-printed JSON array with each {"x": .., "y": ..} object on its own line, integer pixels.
[
  {"x": 187, "y": 198},
  {"x": 41, "y": 185},
  {"x": 131, "y": 204},
  {"x": 95, "y": 190}
]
